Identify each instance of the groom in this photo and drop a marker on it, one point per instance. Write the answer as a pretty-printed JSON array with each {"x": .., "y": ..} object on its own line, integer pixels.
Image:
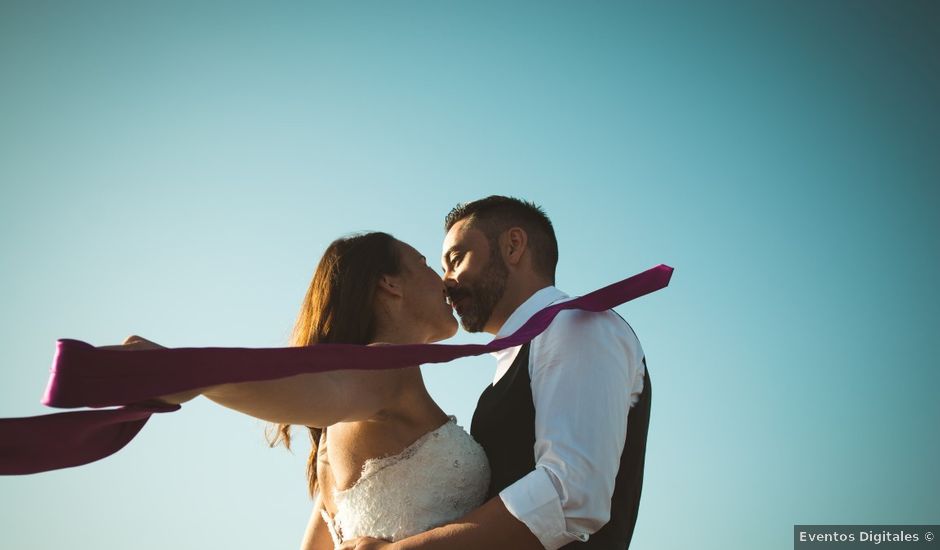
[{"x": 564, "y": 422}]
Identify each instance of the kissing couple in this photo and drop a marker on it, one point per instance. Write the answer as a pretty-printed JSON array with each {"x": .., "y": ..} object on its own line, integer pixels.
[{"x": 555, "y": 453}]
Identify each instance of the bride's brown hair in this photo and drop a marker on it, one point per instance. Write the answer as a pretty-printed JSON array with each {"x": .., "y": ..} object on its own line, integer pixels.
[{"x": 338, "y": 308}]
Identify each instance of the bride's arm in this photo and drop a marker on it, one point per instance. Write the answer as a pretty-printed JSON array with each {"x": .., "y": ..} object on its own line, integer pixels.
[
  {"x": 317, "y": 536},
  {"x": 314, "y": 399}
]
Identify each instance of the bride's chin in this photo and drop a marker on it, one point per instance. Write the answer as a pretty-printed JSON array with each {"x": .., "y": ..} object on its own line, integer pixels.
[{"x": 446, "y": 331}]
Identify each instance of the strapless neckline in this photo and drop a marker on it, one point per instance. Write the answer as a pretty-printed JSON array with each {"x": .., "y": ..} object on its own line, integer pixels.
[
  {"x": 436, "y": 479},
  {"x": 372, "y": 466}
]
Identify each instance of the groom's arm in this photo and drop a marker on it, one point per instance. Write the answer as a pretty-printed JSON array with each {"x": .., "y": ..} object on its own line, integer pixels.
[{"x": 585, "y": 373}]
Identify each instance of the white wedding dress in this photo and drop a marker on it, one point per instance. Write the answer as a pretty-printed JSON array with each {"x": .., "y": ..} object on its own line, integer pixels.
[{"x": 435, "y": 480}]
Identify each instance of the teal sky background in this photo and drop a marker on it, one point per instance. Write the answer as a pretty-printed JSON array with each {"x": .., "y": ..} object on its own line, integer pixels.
[{"x": 176, "y": 170}]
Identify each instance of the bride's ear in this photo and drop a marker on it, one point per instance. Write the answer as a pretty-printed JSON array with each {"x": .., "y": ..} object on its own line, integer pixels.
[{"x": 391, "y": 284}]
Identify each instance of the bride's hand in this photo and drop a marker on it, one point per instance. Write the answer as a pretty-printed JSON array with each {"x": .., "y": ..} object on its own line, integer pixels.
[{"x": 133, "y": 342}]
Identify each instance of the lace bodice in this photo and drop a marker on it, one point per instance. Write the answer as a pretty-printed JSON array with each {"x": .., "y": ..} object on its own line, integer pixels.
[{"x": 435, "y": 480}]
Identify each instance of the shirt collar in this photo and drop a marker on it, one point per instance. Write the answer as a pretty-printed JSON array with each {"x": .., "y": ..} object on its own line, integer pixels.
[
  {"x": 538, "y": 301},
  {"x": 535, "y": 303}
]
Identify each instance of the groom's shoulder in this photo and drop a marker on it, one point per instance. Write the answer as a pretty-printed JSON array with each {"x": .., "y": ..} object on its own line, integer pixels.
[
  {"x": 588, "y": 338},
  {"x": 582, "y": 325}
]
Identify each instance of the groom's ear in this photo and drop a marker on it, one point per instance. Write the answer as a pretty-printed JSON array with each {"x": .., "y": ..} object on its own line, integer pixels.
[
  {"x": 390, "y": 284},
  {"x": 513, "y": 243}
]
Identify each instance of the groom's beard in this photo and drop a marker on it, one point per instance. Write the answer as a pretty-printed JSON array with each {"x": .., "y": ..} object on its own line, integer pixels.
[{"x": 483, "y": 295}]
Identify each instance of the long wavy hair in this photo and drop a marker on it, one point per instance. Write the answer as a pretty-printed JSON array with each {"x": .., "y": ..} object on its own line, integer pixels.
[{"x": 339, "y": 309}]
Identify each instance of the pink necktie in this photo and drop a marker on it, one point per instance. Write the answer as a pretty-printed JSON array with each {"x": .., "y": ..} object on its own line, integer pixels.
[{"x": 85, "y": 376}]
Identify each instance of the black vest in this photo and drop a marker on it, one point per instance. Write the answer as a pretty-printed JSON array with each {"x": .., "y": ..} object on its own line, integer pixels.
[{"x": 504, "y": 424}]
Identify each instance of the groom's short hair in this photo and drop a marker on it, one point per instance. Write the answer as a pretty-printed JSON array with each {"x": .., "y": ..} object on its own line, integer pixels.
[{"x": 495, "y": 214}]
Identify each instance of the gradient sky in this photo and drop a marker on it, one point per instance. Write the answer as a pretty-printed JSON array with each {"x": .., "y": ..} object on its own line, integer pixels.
[{"x": 176, "y": 170}]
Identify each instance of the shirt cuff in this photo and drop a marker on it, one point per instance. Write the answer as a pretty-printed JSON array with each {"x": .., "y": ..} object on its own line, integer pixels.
[{"x": 534, "y": 501}]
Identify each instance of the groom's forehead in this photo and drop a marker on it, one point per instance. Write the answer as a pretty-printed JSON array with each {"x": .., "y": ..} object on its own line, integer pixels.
[
  {"x": 456, "y": 236},
  {"x": 463, "y": 236}
]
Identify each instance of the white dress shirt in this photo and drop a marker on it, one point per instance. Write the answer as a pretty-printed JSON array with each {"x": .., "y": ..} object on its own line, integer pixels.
[{"x": 586, "y": 371}]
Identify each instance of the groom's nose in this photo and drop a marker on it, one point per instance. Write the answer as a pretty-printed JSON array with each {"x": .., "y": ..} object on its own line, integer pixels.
[{"x": 450, "y": 280}]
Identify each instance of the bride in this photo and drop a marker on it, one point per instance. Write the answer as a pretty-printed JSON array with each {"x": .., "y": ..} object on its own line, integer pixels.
[{"x": 386, "y": 462}]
